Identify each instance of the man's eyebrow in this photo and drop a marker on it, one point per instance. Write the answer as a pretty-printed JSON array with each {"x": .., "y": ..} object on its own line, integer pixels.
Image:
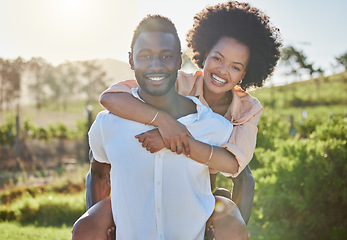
[{"x": 224, "y": 57}]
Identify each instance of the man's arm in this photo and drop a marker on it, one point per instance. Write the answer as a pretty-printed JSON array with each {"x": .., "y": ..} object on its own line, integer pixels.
[
  {"x": 97, "y": 182},
  {"x": 243, "y": 192}
]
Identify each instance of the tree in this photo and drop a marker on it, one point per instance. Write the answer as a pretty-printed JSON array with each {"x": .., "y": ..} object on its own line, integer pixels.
[
  {"x": 64, "y": 82},
  {"x": 93, "y": 80},
  {"x": 342, "y": 59},
  {"x": 297, "y": 60},
  {"x": 40, "y": 70},
  {"x": 10, "y": 79}
]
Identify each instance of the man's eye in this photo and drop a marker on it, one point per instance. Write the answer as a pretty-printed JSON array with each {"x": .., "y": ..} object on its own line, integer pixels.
[
  {"x": 167, "y": 57},
  {"x": 144, "y": 57}
]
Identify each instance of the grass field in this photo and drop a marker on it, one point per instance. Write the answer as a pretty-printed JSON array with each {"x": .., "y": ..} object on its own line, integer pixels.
[{"x": 16, "y": 231}]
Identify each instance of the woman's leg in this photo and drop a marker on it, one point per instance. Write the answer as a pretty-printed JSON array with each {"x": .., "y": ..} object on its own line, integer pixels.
[
  {"x": 95, "y": 223},
  {"x": 227, "y": 221}
]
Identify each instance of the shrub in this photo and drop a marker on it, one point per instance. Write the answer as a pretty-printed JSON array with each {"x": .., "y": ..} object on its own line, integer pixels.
[
  {"x": 301, "y": 188},
  {"x": 47, "y": 209}
]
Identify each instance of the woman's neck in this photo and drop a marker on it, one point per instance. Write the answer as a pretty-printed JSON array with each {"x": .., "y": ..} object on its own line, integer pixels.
[{"x": 218, "y": 102}]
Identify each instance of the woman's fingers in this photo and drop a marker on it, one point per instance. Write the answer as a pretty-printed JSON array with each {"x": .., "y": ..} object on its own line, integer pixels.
[{"x": 185, "y": 145}]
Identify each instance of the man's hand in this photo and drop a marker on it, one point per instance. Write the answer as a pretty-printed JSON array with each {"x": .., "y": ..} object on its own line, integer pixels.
[{"x": 151, "y": 140}]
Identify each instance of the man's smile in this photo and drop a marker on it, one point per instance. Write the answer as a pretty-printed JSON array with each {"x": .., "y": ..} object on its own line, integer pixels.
[{"x": 156, "y": 77}]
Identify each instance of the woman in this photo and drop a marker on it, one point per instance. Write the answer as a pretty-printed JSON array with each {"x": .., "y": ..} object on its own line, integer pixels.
[{"x": 234, "y": 44}]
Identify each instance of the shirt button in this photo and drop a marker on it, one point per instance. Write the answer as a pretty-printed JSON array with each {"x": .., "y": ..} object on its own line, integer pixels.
[
  {"x": 158, "y": 183},
  {"x": 158, "y": 210},
  {"x": 161, "y": 236}
]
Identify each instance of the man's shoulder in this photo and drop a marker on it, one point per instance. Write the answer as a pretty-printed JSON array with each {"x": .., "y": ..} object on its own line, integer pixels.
[
  {"x": 106, "y": 116},
  {"x": 101, "y": 115}
]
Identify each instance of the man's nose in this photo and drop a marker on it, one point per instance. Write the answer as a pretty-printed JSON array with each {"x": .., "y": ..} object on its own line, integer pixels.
[{"x": 156, "y": 63}]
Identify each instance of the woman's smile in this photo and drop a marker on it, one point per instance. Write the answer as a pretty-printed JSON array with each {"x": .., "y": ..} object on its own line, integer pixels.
[{"x": 218, "y": 80}]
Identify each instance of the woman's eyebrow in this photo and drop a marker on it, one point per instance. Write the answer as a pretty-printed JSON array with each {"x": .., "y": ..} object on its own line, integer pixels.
[{"x": 224, "y": 57}]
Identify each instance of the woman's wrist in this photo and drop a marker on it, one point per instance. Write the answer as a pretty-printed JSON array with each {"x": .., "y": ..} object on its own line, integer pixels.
[{"x": 162, "y": 117}]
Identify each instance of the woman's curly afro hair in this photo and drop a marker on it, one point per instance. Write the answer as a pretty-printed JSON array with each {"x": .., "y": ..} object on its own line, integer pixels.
[{"x": 245, "y": 23}]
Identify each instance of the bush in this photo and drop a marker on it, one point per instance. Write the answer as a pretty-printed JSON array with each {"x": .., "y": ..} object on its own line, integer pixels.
[
  {"x": 8, "y": 131},
  {"x": 301, "y": 187},
  {"x": 30, "y": 131},
  {"x": 46, "y": 209}
]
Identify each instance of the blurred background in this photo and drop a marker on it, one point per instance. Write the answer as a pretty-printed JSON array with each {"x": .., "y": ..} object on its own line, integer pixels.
[{"x": 57, "y": 56}]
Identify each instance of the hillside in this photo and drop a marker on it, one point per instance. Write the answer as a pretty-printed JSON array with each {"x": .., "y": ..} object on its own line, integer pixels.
[
  {"x": 323, "y": 91},
  {"x": 116, "y": 70}
]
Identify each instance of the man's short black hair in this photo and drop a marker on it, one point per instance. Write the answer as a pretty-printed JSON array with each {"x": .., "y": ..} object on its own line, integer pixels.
[{"x": 155, "y": 23}]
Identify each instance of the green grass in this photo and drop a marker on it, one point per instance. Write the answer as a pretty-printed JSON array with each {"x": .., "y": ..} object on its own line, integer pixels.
[
  {"x": 16, "y": 231},
  {"x": 323, "y": 91}
]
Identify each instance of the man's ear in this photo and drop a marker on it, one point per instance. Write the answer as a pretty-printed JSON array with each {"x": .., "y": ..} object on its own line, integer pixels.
[
  {"x": 131, "y": 60},
  {"x": 180, "y": 62}
]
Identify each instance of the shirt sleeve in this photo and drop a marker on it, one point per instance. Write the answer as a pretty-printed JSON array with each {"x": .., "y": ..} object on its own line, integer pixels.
[
  {"x": 242, "y": 142},
  {"x": 123, "y": 86},
  {"x": 96, "y": 140}
]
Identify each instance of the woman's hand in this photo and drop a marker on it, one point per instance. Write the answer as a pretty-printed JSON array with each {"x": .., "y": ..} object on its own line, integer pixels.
[
  {"x": 151, "y": 140},
  {"x": 174, "y": 134}
]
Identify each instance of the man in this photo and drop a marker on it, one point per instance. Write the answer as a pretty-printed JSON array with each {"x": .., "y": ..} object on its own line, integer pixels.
[{"x": 162, "y": 195}]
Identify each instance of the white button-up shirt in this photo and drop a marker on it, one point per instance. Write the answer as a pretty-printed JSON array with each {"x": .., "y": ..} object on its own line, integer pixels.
[{"x": 162, "y": 195}]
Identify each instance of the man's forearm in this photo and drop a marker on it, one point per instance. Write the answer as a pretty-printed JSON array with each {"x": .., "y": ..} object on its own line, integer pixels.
[
  {"x": 243, "y": 192},
  {"x": 97, "y": 183}
]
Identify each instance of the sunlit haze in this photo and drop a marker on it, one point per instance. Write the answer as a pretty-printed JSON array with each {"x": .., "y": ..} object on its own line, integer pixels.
[{"x": 60, "y": 30}]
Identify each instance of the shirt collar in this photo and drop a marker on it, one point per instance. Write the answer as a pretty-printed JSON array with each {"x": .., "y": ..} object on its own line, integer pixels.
[{"x": 200, "y": 108}]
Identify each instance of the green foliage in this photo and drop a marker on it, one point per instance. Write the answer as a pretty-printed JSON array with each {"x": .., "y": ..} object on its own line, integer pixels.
[
  {"x": 45, "y": 209},
  {"x": 8, "y": 131},
  {"x": 50, "y": 209},
  {"x": 301, "y": 181},
  {"x": 342, "y": 59},
  {"x": 65, "y": 187},
  {"x": 52, "y": 131}
]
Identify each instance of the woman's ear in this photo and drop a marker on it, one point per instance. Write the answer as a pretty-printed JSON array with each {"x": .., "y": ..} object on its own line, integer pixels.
[{"x": 131, "y": 60}]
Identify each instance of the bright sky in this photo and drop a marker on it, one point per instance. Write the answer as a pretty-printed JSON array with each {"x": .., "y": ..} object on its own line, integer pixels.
[{"x": 60, "y": 30}]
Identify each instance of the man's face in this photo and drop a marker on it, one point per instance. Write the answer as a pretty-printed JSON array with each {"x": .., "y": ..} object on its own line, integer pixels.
[{"x": 155, "y": 60}]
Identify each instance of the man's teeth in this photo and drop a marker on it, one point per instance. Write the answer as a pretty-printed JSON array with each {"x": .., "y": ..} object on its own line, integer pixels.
[
  {"x": 218, "y": 79},
  {"x": 156, "y": 78}
]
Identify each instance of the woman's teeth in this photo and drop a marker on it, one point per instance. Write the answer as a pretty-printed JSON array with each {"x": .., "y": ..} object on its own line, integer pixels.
[{"x": 218, "y": 79}]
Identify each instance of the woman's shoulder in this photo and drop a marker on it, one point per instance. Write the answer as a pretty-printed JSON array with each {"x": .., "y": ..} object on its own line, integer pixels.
[
  {"x": 245, "y": 97},
  {"x": 189, "y": 83},
  {"x": 245, "y": 107}
]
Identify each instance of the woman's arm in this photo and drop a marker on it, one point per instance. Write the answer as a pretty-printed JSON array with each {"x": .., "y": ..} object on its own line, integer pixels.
[
  {"x": 242, "y": 142},
  {"x": 124, "y": 105},
  {"x": 214, "y": 157}
]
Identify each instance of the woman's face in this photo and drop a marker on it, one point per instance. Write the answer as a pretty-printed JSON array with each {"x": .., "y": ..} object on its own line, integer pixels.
[{"x": 225, "y": 65}]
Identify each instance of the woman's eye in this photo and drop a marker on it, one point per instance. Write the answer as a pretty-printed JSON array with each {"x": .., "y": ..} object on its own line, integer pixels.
[
  {"x": 217, "y": 58},
  {"x": 236, "y": 68}
]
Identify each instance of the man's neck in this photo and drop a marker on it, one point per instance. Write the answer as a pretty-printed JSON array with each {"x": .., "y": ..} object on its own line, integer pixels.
[{"x": 172, "y": 103}]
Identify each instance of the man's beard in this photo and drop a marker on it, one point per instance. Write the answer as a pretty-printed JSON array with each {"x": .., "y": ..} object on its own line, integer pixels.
[{"x": 155, "y": 92}]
